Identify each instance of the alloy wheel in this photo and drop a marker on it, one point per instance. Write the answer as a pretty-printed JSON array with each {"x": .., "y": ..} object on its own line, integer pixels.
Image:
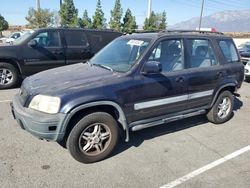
[
  {"x": 95, "y": 139},
  {"x": 224, "y": 107},
  {"x": 6, "y": 76}
]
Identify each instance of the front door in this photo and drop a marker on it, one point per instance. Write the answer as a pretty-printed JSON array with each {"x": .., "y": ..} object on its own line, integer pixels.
[
  {"x": 47, "y": 54},
  {"x": 164, "y": 93}
]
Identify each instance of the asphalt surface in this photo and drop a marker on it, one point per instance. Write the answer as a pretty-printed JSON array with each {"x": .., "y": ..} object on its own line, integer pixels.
[{"x": 154, "y": 157}]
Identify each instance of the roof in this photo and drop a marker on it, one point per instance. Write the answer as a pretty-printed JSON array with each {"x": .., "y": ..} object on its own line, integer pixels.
[
  {"x": 193, "y": 33},
  {"x": 75, "y": 29}
]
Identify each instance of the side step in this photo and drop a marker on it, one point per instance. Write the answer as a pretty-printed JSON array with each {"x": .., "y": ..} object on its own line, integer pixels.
[{"x": 166, "y": 120}]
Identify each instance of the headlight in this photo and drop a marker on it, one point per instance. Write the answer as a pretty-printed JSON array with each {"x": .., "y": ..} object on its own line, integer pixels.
[
  {"x": 248, "y": 63},
  {"x": 45, "y": 104}
]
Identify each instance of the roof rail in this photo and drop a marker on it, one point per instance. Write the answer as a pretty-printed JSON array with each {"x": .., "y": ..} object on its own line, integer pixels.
[
  {"x": 141, "y": 31},
  {"x": 191, "y": 31}
]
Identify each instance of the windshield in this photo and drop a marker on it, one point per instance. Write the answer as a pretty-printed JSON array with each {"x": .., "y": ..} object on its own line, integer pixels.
[
  {"x": 121, "y": 54},
  {"x": 22, "y": 38}
]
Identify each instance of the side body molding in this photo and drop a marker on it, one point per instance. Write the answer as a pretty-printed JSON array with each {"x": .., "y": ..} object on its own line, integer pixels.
[{"x": 122, "y": 117}]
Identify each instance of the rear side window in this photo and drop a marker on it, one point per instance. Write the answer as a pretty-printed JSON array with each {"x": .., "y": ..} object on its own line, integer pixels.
[
  {"x": 200, "y": 53},
  {"x": 75, "y": 38},
  {"x": 229, "y": 51}
]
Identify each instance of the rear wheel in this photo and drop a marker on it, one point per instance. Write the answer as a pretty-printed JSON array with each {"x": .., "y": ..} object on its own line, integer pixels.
[
  {"x": 93, "y": 138},
  {"x": 222, "y": 109},
  {"x": 8, "y": 76}
]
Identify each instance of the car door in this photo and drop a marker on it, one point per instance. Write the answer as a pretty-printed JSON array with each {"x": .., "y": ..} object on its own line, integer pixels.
[
  {"x": 205, "y": 71},
  {"x": 77, "y": 46},
  {"x": 46, "y": 54},
  {"x": 164, "y": 93}
]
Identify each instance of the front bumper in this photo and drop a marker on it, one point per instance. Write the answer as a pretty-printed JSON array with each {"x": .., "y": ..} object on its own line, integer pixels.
[{"x": 39, "y": 124}]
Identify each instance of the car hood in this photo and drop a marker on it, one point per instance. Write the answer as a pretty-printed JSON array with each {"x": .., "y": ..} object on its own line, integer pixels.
[{"x": 67, "y": 79}]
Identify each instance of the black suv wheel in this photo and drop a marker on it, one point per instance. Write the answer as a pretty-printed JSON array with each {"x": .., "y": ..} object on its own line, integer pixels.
[
  {"x": 8, "y": 76},
  {"x": 93, "y": 138},
  {"x": 222, "y": 109}
]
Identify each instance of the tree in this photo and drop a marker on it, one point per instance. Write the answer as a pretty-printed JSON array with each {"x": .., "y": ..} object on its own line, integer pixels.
[
  {"x": 163, "y": 18},
  {"x": 39, "y": 18},
  {"x": 98, "y": 18},
  {"x": 116, "y": 15},
  {"x": 129, "y": 23},
  {"x": 3, "y": 24},
  {"x": 85, "y": 21},
  {"x": 150, "y": 23},
  {"x": 68, "y": 14}
]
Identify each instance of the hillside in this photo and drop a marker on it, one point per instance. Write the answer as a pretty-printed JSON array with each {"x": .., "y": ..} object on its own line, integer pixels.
[{"x": 226, "y": 21}]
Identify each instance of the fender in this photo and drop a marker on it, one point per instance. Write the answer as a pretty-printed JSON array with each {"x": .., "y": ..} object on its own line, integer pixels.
[
  {"x": 12, "y": 61},
  {"x": 219, "y": 90},
  {"x": 122, "y": 118}
]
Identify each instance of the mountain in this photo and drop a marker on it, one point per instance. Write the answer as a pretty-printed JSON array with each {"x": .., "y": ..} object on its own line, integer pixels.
[{"x": 226, "y": 21}]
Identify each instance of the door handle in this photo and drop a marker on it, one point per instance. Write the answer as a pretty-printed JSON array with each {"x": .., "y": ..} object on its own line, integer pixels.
[
  {"x": 57, "y": 52},
  {"x": 179, "y": 79},
  {"x": 85, "y": 51},
  {"x": 219, "y": 74}
]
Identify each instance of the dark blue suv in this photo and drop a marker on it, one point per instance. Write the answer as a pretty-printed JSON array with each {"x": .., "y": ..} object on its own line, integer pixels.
[{"x": 137, "y": 81}]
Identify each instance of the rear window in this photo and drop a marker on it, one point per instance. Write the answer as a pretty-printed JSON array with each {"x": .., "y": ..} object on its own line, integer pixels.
[{"x": 229, "y": 51}]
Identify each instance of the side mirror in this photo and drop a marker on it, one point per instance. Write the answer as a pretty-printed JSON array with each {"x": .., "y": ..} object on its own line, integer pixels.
[
  {"x": 32, "y": 43},
  {"x": 152, "y": 67}
]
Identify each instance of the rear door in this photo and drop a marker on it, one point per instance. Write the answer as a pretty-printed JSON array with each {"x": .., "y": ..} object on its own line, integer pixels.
[
  {"x": 205, "y": 72},
  {"x": 77, "y": 46},
  {"x": 99, "y": 39},
  {"x": 48, "y": 54}
]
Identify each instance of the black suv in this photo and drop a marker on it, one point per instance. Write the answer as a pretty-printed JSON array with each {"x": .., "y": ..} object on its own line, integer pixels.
[
  {"x": 135, "y": 82},
  {"x": 49, "y": 48}
]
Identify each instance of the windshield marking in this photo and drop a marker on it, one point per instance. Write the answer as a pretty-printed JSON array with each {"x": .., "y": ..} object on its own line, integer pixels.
[{"x": 135, "y": 42}]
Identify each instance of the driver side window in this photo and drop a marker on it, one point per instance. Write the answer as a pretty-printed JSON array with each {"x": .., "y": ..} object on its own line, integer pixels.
[
  {"x": 170, "y": 54},
  {"x": 48, "y": 39}
]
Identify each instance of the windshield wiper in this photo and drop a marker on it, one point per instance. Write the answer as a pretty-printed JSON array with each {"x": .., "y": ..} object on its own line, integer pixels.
[{"x": 103, "y": 66}]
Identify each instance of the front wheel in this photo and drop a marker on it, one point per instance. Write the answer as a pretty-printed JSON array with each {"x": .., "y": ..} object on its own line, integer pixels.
[
  {"x": 222, "y": 109},
  {"x": 93, "y": 138},
  {"x": 8, "y": 76}
]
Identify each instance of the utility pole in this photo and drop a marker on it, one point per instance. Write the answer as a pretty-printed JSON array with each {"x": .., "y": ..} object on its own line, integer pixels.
[
  {"x": 38, "y": 5},
  {"x": 149, "y": 8},
  {"x": 60, "y": 4},
  {"x": 202, "y": 6}
]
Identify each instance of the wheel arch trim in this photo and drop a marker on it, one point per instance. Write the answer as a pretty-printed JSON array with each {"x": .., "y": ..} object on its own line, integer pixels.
[
  {"x": 122, "y": 118},
  {"x": 219, "y": 90},
  {"x": 15, "y": 63}
]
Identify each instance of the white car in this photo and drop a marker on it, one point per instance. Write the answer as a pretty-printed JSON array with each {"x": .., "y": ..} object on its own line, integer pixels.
[
  {"x": 247, "y": 71},
  {"x": 11, "y": 38}
]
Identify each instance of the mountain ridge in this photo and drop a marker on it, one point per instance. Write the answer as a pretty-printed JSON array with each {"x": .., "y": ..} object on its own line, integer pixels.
[{"x": 224, "y": 21}]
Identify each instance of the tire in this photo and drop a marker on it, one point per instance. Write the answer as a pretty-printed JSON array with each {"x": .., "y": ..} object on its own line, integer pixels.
[
  {"x": 8, "y": 76},
  {"x": 222, "y": 109},
  {"x": 93, "y": 138},
  {"x": 247, "y": 79}
]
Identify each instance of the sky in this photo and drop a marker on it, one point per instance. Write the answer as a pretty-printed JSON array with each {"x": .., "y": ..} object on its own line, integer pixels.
[{"x": 14, "y": 11}]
